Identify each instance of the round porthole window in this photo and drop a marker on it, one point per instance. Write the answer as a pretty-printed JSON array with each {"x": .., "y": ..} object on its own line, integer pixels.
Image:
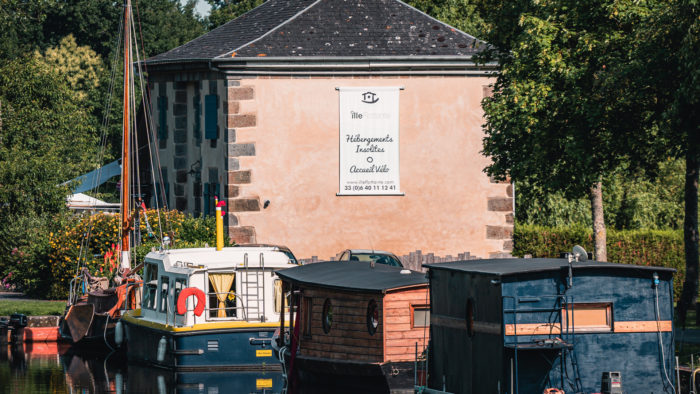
[
  {"x": 327, "y": 315},
  {"x": 372, "y": 317}
]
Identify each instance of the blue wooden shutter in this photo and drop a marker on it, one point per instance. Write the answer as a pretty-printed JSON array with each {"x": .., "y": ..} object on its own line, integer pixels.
[
  {"x": 162, "y": 117},
  {"x": 211, "y": 125}
]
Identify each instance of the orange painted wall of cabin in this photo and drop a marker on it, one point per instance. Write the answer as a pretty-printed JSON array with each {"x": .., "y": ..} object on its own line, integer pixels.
[
  {"x": 348, "y": 338},
  {"x": 399, "y": 337}
]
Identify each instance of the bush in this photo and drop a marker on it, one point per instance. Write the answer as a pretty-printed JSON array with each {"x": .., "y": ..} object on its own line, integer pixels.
[
  {"x": 658, "y": 248},
  {"x": 95, "y": 238}
]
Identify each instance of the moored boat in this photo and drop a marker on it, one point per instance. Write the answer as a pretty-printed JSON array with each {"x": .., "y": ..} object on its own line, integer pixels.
[
  {"x": 358, "y": 325},
  {"x": 95, "y": 303},
  {"x": 205, "y": 309}
]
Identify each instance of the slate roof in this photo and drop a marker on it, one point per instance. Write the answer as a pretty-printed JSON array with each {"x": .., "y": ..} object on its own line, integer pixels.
[
  {"x": 353, "y": 276},
  {"x": 514, "y": 266},
  {"x": 327, "y": 28}
]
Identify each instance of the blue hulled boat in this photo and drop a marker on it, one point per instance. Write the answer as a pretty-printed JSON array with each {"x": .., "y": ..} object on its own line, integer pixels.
[{"x": 206, "y": 310}]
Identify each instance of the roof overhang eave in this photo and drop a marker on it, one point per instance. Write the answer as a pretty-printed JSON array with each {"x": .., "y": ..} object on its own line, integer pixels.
[{"x": 354, "y": 64}]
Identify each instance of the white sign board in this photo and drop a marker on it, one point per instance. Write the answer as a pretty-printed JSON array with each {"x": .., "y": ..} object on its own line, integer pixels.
[{"x": 369, "y": 141}]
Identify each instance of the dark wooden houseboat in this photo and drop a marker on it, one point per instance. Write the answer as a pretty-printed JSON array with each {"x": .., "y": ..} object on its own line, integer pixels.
[
  {"x": 526, "y": 325},
  {"x": 356, "y": 323}
]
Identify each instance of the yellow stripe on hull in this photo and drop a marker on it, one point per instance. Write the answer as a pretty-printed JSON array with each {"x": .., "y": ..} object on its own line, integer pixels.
[{"x": 132, "y": 317}]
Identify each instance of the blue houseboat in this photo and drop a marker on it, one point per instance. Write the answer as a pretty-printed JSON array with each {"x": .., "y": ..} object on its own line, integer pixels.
[
  {"x": 207, "y": 310},
  {"x": 529, "y": 325}
]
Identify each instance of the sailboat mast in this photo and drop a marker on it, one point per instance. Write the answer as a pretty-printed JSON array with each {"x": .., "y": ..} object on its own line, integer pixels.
[{"x": 126, "y": 142}]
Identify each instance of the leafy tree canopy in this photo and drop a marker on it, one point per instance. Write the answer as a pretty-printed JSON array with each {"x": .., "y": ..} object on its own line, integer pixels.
[
  {"x": 21, "y": 24},
  {"x": 80, "y": 65},
  {"x": 223, "y": 11},
  {"x": 461, "y": 14}
]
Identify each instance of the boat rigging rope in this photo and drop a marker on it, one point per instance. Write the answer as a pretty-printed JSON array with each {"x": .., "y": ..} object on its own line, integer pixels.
[
  {"x": 150, "y": 134},
  {"x": 87, "y": 235}
]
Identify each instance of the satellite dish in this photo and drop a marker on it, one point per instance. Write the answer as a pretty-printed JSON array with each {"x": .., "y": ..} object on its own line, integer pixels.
[{"x": 580, "y": 253}]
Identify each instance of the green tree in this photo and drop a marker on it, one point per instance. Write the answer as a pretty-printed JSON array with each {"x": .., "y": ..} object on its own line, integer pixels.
[
  {"x": 80, "y": 65},
  {"x": 161, "y": 24},
  {"x": 166, "y": 24},
  {"x": 46, "y": 138},
  {"x": 556, "y": 121},
  {"x": 21, "y": 25},
  {"x": 665, "y": 59},
  {"x": 631, "y": 202},
  {"x": 223, "y": 11},
  {"x": 461, "y": 14}
]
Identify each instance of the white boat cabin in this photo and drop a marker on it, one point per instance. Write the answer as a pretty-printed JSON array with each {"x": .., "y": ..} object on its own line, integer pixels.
[{"x": 237, "y": 284}]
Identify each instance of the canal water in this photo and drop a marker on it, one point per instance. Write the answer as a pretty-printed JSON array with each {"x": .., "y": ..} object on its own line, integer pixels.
[{"x": 57, "y": 368}]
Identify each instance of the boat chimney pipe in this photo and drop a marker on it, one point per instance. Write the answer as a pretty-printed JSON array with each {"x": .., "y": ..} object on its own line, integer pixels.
[{"x": 219, "y": 223}]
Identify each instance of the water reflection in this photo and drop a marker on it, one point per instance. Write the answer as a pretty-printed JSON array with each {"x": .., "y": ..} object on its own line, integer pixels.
[{"x": 56, "y": 368}]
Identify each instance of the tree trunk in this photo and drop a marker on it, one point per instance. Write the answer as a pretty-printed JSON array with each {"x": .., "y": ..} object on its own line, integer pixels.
[
  {"x": 690, "y": 232},
  {"x": 599, "y": 233}
]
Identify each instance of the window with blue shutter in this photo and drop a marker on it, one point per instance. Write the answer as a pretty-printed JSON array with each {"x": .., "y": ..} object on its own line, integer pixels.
[{"x": 211, "y": 126}]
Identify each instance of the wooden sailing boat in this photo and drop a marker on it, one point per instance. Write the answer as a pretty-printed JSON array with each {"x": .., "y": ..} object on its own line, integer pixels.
[{"x": 95, "y": 305}]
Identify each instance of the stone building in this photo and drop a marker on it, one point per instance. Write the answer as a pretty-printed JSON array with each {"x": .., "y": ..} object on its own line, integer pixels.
[{"x": 333, "y": 124}]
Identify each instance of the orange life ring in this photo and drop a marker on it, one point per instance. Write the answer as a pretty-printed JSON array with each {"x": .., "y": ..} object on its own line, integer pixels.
[{"x": 182, "y": 300}]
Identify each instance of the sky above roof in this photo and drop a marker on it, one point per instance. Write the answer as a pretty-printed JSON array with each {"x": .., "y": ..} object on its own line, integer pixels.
[{"x": 203, "y": 8}]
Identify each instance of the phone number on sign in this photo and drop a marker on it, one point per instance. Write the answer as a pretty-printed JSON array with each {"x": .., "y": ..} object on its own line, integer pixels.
[{"x": 369, "y": 188}]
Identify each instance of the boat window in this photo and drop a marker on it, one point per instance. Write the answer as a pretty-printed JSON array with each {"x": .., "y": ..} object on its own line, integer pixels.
[
  {"x": 588, "y": 317},
  {"x": 327, "y": 316},
  {"x": 179, "y": 285},
  {"x": 420, "y": 316},
  {"x": 222, "y": 296},
  {"x": 345, "y": 256},
  {"x": 150, "y": 281},
  {"x": 164, "y": 284},
  {"x": 290, "y": 256},
  {"x": 372, "y": 317},
  {"x": 307, "y": 309}
]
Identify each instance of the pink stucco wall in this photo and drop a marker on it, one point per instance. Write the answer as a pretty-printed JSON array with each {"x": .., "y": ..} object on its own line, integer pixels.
[{"x": 295, "y": 167}]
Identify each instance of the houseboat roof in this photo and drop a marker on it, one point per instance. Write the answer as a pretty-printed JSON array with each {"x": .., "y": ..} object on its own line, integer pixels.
[
  {"x": 515, "y": 266},
  {"x": 353, "y": 276},
  {"x": 327, "y": 29},
  {"x": 198, "y": 258}
]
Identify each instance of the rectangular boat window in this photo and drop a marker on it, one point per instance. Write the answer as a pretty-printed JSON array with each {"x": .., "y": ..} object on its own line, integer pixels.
[
  {"x": 179, "y": 285},
  {"x": 307, "y": 309},
  {"x": 420, "y": 316},
  {"x": 222, "y": 294},
  {"x": 588, "y": 317},
  {"x": 150, "y": 281},
  {"x": 164, "y": 284}
]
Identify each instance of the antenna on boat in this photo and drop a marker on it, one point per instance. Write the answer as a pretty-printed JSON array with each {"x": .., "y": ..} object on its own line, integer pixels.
[{"x": 579, "y": 253}]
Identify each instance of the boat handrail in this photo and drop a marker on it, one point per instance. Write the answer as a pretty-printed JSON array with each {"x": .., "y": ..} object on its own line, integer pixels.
[{"x": 125, "y": 305}]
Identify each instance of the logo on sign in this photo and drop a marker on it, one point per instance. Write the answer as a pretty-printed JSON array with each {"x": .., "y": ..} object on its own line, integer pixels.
[{"x": 369, "y": 98}]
